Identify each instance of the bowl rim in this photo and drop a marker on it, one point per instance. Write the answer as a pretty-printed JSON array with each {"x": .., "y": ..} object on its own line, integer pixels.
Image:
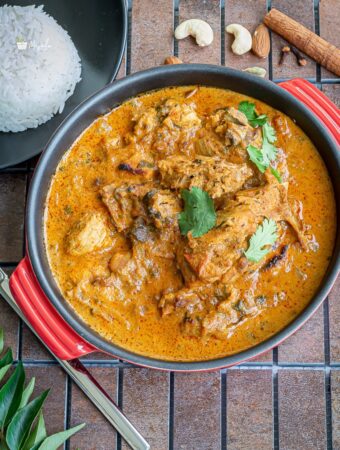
[{"x": 35, "y": 245}]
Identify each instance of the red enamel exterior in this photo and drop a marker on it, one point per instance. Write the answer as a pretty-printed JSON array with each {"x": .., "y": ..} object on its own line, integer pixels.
[
  {"x": 46, "y": 321},
  {"x": 55, "y": 332},
  {"x": 317, "y": 102}
]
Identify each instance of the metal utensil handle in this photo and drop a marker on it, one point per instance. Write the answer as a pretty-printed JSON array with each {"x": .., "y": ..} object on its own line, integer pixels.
[{"x": 86, "y": 382}]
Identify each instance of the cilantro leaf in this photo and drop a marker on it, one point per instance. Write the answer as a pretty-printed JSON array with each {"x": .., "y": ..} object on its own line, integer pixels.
[
  {"x": 276, "y": 174},
  {"x": 264, "y": 235},
  {"x": 261, "y": 157},
  {"x": 269, "y": 133},
  {"x": 256, "y": 156},
  {"x": 248, "y": 110},
  {"x": 269, "y": 151},
  {"x": 259, "y": 121},
  {"x": 199, "y": 214}
]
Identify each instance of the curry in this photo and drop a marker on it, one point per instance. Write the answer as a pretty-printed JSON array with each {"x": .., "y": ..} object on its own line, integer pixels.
[{"x": 190, "y": 223}]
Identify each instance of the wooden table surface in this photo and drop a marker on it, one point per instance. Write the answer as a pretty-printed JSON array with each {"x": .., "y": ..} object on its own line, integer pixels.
[{"x": 290, "y": 397}]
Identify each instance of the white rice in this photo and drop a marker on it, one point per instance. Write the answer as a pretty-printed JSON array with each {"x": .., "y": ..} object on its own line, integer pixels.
[{"x": 35, "y": 81}]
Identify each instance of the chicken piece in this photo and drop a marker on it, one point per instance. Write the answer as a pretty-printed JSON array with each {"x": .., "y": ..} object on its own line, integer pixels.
[
  {"x": 160, "y": 243},
  {"x": 208, "y": 309},
  {"x": 163, "y": 126},
  {"x": 187, "y": 300},
  {"x": 238, "y": 154},
  {"x": 142, "y": 231},
  {"x": 148, "y": 217},
  {"x": 233, "y": 126},
  {"x": 213, "y": 256},
  {"x": 179, "y": 124},
  {"x": 274, "y": 198},
  {"x": 213, "y": 174},
  {"x": 163, "y": 207},
  {"x": 88, "y": 234},
  {"x": 179, "y": 115},
  {"x": 125, "y": 203},
  {"x": 232, "y": 115},
  {"x": 146, "y": 122},
  {"x": 218, "y": 255},
  {"x": 221, "y": 322},
  {"x": 208, "y": 144},
  {"x": 119, "y": 260}
]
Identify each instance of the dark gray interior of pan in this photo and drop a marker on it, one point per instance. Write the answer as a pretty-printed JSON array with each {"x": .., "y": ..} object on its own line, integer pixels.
[{"x": 98, "y": 30}]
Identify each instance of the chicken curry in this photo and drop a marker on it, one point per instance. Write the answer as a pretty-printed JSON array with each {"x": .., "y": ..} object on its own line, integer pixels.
[{"x": 190, "y": 223}]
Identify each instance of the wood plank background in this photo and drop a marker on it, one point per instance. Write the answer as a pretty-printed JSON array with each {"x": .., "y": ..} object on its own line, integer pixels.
[{"x": 287, "y": 399}]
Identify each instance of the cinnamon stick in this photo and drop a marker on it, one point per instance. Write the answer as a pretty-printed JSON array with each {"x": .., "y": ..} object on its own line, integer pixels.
[{"x": 305, "y": 40}]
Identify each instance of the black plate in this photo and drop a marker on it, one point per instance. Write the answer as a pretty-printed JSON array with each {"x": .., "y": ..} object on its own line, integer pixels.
[{"x": 98, "y": 30}]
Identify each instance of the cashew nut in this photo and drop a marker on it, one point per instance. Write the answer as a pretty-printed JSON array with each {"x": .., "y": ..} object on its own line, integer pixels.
[
  {"x": 196, "y": 28},
  {"x": 242, "y": 42}
]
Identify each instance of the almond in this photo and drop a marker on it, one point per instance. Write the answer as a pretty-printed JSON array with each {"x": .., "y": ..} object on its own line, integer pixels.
[
  {"x": 172, "y": 60},
  {"x": 261, "y": 41}
]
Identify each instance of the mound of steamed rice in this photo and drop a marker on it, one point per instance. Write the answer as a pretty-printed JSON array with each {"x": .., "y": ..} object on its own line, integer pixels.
[{"x": 39, "y": 67}]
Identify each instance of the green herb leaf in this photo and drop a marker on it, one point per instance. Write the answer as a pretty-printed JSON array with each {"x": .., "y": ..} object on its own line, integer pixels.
[
  {"x": 256, "y": 156},
  {"x": 56, "y": 440},
  {"x": 269, "y": 133},
  {"x": 37, "y": 435},
  {"x": 7, "y": 358},
  {"x": 199, "y": 214},
  {"x": 259, "y": 121},
  {"x": 5, "y": 363},
  {"x": 264, "y": 235},
  {"x": 248, "y": 110},
  {"x": 276, "y": 174},
  {"x": 3, "y": 372},
  {"x": 261, "y": 157},
  {"x": 269, "y": 152},
  {"x": 20, "y": 425},
  {"x": 27, "y": 393},
  {"x": 10, "y": 395}
]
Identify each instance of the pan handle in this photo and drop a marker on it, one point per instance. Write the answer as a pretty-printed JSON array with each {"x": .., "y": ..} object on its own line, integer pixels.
[
  {"x": 58, "y": 336},
  {"x": 317, "y": 102}
]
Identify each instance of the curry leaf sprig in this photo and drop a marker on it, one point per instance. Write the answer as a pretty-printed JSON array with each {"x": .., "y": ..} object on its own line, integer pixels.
[
  {"x": 22, "y": 425},
  {"x": 199, "y": 214},
  {"x": 264, "y": 236},
  {"x": 261, "y": 157}
]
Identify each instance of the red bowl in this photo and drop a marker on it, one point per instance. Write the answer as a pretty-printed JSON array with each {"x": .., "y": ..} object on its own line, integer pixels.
[{"x": 32, "y": 283}]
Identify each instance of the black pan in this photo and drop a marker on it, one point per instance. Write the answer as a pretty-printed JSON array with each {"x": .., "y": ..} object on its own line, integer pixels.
[
  {"x": 98, "y": 30},
  {"x": 112, "y": 96}
]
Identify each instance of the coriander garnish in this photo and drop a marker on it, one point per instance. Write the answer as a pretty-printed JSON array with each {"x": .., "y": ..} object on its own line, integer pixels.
[
  {"x": 199, "y": 214},
  {"x": 261, "y": 157},
  {"x": 264, "y": 236},
  {"x": 248, "y": 110}
]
